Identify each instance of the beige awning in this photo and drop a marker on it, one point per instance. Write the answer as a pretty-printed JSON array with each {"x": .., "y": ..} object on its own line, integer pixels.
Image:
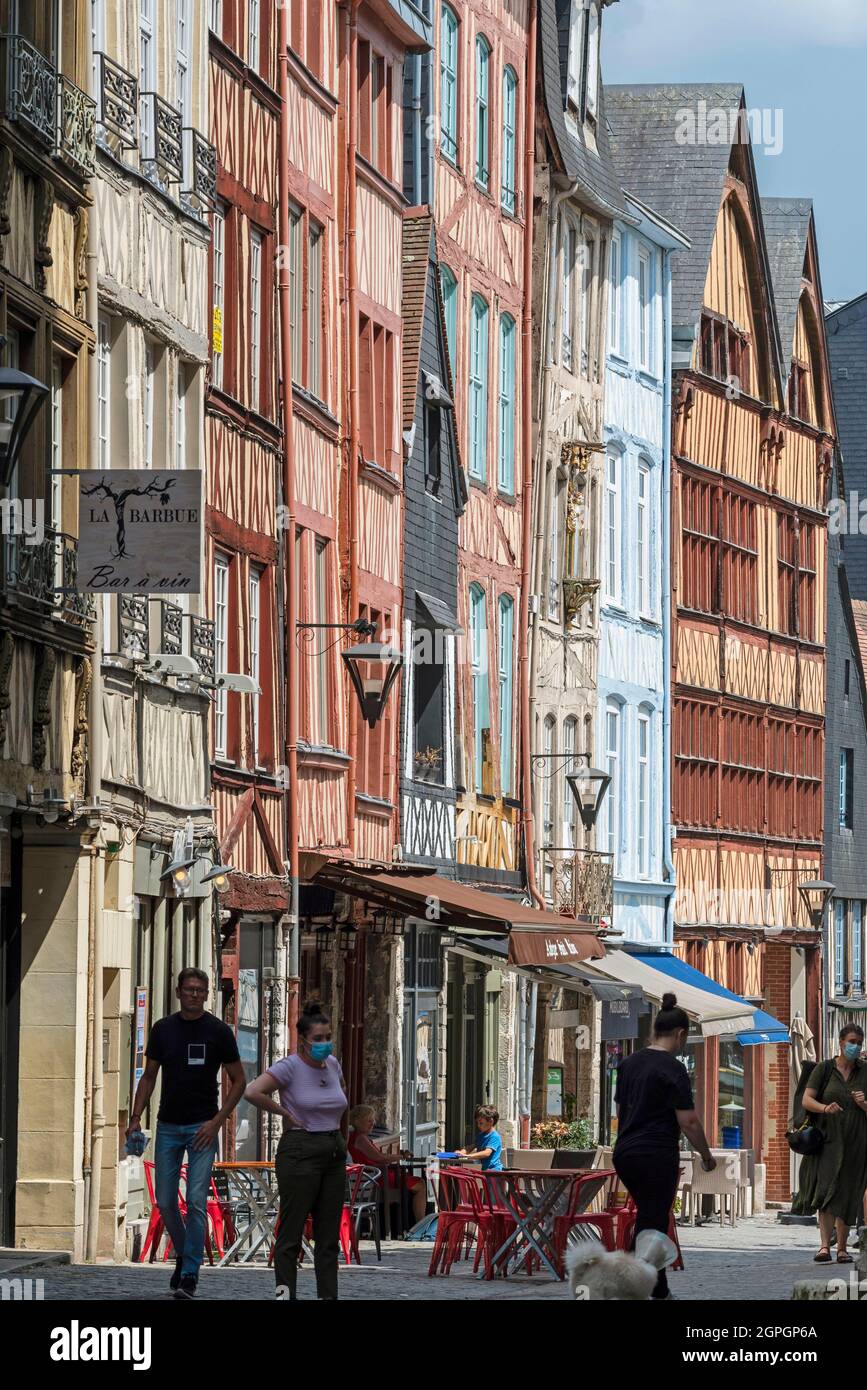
[{"x": 714, "y": 1014}]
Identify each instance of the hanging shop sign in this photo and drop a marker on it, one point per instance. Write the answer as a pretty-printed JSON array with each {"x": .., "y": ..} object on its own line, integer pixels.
[
  {"x": 140, "y": 531},
  {"x": 619, "y": 1018}
]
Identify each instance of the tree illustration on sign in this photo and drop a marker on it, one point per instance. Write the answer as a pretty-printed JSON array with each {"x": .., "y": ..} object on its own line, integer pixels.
[{"x": 155, "y": 488}]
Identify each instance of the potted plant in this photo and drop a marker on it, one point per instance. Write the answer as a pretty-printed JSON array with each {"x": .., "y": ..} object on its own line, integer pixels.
[
  {"x": 427, "y": 764},
  {"x": 569, "y": 1142}
]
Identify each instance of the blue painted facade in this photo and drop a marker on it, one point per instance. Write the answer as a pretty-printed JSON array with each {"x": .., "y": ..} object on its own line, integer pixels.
[{"x": 633, "y": 721}]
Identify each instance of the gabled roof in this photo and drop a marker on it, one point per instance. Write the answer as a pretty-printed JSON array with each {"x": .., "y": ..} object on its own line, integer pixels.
[
  {"x": 685, "y": 179},
  {"x": 418, "y": 243},
  {"x": 595, "y": 170},
  {"x": 859, "y": 618},
  {"x": 787, "y": 231}
]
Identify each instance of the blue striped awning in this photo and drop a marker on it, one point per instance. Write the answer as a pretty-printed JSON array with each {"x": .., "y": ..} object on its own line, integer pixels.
[{"x": 766, "y": 1029}]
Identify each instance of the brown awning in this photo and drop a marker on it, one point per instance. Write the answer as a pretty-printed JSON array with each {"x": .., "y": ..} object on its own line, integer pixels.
[{"x": 535, "y": 937}]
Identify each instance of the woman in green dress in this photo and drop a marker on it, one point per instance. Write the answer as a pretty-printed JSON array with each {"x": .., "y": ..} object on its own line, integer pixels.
[{"x": 834, "y": 1180}]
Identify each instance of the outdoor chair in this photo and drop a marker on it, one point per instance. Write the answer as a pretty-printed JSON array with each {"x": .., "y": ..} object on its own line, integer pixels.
[
  {"x": 577, "y": 1214},
  {"x": 468, "y": 1215},
  {"x": 156, "y": 1226}
]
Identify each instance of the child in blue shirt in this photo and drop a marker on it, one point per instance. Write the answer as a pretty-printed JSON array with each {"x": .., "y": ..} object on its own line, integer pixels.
[{"x": 489, "y": 1144}]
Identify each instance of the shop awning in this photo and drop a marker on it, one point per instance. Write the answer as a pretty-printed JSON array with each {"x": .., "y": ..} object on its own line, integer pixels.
[
  {"x": 765, "y": 1028},
  {"x": 714, "y": 1013},
  {"x": 535, "y": 937},
  {"x": 567, "y": 976}
]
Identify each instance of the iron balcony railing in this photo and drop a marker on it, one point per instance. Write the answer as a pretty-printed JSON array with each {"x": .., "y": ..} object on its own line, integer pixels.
[
  {"x": 202, "y": 644},
  {"x": 200, "y": 168},
  {"x": 581, "y": 881},
  {"x": 31, "y": 89},
  {"x": 133, "y": 626},
  {"x": 76, "y": 128},
  {"x": 162, "y": 147},
  {"x": 171, "y": 628},
  {"x": 44, "y": 577},
  {"x": 117, "y": 106}
]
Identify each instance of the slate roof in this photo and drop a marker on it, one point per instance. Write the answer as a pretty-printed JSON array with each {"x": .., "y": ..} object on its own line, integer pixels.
[
  {"x": 595, "y": 169},
  {"x": 859, "y": 615},
  {"x": 787, "y": 230}
]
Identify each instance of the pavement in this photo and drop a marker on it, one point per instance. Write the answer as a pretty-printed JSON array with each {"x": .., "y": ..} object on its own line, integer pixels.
[{"x": 759, "y": 1259}]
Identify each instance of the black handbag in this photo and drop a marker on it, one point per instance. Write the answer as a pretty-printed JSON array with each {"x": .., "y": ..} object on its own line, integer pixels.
[{"x": 808, "y": 1138}]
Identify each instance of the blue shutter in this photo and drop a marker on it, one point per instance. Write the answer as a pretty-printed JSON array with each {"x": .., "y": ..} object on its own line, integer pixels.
[
  {"x": 506, "y": 656},
  {"x": 450, "y": 304},
  {"x": 506, "y": 457},
  {"x": 449, "y": 85},
  {"x": 510, "y": 91},
  {"x": 482, "y": 122},
  {"x": 478, "y": 400}
]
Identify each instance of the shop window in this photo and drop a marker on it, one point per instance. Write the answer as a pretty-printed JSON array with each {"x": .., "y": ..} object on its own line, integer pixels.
[{"x": 428, "y": 705}]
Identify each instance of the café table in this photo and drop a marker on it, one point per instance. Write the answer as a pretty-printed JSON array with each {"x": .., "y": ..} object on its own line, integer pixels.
[
  {"x": 252, "y": 1185},
  {"x": 535, "y": 1197},
  {"x": 404, "y": 1168}
]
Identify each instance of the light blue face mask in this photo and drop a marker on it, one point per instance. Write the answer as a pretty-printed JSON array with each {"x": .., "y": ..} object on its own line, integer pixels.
[
  {"x": 320, "y": 1050},
  {"x": 852, "y": 1051}
]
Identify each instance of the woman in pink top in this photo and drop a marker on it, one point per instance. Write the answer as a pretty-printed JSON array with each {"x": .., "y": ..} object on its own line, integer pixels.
[{"x": 311, "y": 1157}]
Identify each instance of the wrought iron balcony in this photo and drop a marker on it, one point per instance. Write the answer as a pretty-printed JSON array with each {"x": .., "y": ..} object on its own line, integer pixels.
[
  {"x": 162, "y": 147},
  {"x": 582, "y": 881},
  {"x": 44, "y": 576},
  {"x": 133, "y": 626},
  {"x": 31, "y": 89},
  {"x": 117, "y": 106},
  {"x": 200, "y": 167},
  {"x": 171, "y": 628},
  {"x": 202, "y": 644},
  {"x": 76, "y": 133}
]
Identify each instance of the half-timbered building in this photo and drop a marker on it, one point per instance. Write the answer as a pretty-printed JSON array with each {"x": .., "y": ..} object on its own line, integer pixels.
[
  {"x": 752, "y": 444},
  {"x": 245, "y": 542},
  {"x": 49, "y": 864},
  {"x": 152, "y": 191}
]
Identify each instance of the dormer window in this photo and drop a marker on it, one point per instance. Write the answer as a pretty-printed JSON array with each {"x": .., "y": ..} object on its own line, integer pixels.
[{"x": 582, "y": 60}]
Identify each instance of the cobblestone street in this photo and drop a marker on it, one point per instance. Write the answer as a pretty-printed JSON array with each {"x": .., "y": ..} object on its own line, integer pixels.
[{"x": 759, "y": 1259}]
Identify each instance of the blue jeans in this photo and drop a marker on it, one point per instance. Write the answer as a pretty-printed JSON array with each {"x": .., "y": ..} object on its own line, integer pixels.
[{"x": 172, "y": 1143}]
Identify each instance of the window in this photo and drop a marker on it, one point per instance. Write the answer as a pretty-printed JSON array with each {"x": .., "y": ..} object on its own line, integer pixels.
[
  {"x": 798, "y": 398},
  {"x": 219, "y": 291},
  {"x": 506, "y": 657},
  {"x": 739, "y": 557},
  {"x": 148, "y": 411},
  {"x": 612, "y": 528},
  {"x": 506, "y": 460},
  {"x": 807, "y": 581},
  {"x": 569, "y": 253},
  {"x": 695, "y": 741},
  {"x": 846, "y": 676},
  {"x": 375, "y": 108},
  {"x": 645, "y": 310},
  {"x": 216, "y": 17},
  {"x": 549, "y": 781},
  {"x": 433, "y": 461},
  {"x": 221, "y": 648},
  {"x": 839, "y": 945},
  {"x": 575, "y": 59},
  {"x": 103, "y": 393},
  {"x": 320, "y": 598},
  {"x": 483, "y": 53},
  {"x": 614, "y": 307},
  {"x": 642, "y": 539},
  {"x": 554, "y": 570},
  {"x": 181, "y": 418},
  {"x": 643, "y": 827},
  {"x": 314, "y": 309},
  {"x": 612, "y": 767},
  {"x": 377, "y": 380},
  {"x": 588, "y": 265},
  {"x": 296, "y": 281},
  {"x": 55, "y": 519},
  {"x": 255, "y": 647},
  {"x": 449, "y": 85},
  {"x": 591, "y": 72},
  {"x": 570, "y": 809},
  {"x": 478, "y": 396},
  {"x": 847, "y": 780},
  {"x": 724, "y": 350},
  {"x": 796, "y": 573},
  {"x": 97, "y": 37},
  {"x": 183, "y": 63},
  {"x": 147, "y": 82},
  {"x": 700, "y": 545},
  {"x": 428, "y": 681},
  {"x": 857, "y": 949},
  {"x": 510, "y": 127},
  {"x": 450, "y": 304},
  {"x": 481, "y": 706},
  {"x": 253, "y": 18},
  {"x": 255, "y": 319}
]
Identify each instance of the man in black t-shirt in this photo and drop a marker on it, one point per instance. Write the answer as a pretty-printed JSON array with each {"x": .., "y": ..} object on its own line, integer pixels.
[{"x": 191, "y": 1046}]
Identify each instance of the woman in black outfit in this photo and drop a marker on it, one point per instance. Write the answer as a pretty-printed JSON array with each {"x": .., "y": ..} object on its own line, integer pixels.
[{"x": 654, "y": 1103}]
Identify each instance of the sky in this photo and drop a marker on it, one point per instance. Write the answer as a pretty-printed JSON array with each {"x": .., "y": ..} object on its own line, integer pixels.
[{"x": 806, "y": 58}]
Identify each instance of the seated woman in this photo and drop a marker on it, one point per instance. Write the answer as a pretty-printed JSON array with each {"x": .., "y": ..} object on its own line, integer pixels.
[{"x": 363, "y": 1150}]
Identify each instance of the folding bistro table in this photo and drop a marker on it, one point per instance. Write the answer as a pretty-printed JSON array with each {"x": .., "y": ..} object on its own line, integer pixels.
[
  {"x": 535, "y": 1197},
  {"x": 252, "y": 1185}
]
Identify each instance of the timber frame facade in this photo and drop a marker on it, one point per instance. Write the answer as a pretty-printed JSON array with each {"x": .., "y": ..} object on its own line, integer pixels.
[{"x": 752, "y": 448}]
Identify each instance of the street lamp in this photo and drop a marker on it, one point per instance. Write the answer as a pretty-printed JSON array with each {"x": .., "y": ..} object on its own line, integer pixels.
[
  {"x": 20, "y": 398},
  {"x": 815, "y": 893},
  {"x": 372, "y": 687},
  {"x": 587, "y": 784},
  {"x": 219, "y": 876}
]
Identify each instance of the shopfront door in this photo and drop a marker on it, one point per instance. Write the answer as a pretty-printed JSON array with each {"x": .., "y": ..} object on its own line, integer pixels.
[
  {"x": 422, "y": 981},
  {"x": 10, "y": 981},
  {"x": 254, "y": 1027}
]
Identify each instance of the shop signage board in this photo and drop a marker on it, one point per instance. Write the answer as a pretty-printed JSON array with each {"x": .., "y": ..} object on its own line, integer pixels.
[
  {"x": 554, "y": 1091},
  {"x": 141, "y": 1014},
  {"x": 140, "y": 531}
]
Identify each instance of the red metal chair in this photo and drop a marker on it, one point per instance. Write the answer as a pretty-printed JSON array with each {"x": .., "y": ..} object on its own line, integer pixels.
[
  {"x": 610, "y": 1222},
  {"x": 468, "y": 1214},
  {"x": 156, "y": 1226}
]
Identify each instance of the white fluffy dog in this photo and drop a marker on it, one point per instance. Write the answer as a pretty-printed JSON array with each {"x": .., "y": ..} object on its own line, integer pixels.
[{"x": 596, "y": 1273}]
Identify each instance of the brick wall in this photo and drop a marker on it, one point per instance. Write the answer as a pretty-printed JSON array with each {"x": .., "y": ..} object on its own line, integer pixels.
[{"x": 776, "y": 1154}]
